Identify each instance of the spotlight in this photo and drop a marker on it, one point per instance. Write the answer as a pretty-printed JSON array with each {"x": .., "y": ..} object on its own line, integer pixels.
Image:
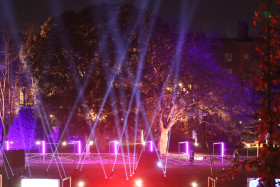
[
  {"x": 194, "y": 184},
  {"x": 91, "y": 142},
  {"x": 38, "y": 142},
  {"x": 64, "y": 143},
  {"x": 195, "y": 144},
  {"x": 51, "y": 115},
  {"x": 81, "y": 184},
  {"x": 159, "y": 164},
  {"x": 139, "y": 183}
]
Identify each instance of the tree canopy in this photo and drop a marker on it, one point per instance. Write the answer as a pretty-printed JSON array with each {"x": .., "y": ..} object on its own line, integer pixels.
[{"x": 127, "y": 66}]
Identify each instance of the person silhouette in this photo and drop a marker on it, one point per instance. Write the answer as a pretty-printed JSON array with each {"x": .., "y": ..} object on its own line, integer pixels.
[
  {"x": 235, "y": 156},
  {"x": 191, "y": 157}
]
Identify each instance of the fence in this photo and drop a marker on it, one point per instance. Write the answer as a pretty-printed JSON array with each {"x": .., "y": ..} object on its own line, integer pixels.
[{"x": 110, "y": 158}]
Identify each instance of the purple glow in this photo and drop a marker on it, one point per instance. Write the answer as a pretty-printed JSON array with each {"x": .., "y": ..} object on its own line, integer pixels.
[
  {"x": 7, "y": 145},
  {"x": 187, "y": 151},
  {"x": 222, "y": 148},
  {"x": 43, "y": 147},
  {"x": 23, "y": 130},
  {"x": 79, "y": 147}
]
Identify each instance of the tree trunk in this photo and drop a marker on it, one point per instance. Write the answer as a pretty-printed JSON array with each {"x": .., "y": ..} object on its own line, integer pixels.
[
  {"x": 163, "y": 141},
  {"x": 4, "y": 137}
]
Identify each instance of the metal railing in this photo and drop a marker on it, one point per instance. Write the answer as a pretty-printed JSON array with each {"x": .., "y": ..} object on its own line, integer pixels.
[{"x": 120, "y": 158}]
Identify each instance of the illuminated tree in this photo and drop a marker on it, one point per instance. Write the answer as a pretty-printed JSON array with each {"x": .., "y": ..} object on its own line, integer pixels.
[
  {"x": 268, "y": 83},
  {"x": 8, "y": 75},
  {"x": 23, "y": 131},
  {"x": 198, "y": 87},
  {"x": 73, "y": 58}
]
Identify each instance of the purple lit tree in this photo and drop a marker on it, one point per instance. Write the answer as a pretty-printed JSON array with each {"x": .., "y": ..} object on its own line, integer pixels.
[
  {"x": 23, "y": 131},
  {"x": 196, "y": 88}
]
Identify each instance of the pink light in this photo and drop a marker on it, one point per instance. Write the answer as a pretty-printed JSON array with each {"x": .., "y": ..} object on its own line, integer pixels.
[
  {"x": 79, "y": 147},
  {"x": 116, "y": 147},
  {"x": 187, "y": 148},
  {"x": 7, "y": 145},
  {"x": 151, "y": 146},
  {"x": 223, "y": 149},
  {"x": 43, "y": 147}
]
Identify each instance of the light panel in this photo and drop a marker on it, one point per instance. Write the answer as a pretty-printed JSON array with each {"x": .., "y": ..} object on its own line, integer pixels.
[
  {"x": 79, "y": 147},
  {"x": 40, "y": 182},
  {"x": 7, "y": 145}
]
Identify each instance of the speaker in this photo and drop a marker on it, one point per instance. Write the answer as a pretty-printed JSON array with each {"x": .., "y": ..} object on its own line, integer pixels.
[{"x": 16, "y": 158}]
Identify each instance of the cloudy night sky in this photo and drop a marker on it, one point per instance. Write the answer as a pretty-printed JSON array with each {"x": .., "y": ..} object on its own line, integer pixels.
[{"x": 221, "y": 16}]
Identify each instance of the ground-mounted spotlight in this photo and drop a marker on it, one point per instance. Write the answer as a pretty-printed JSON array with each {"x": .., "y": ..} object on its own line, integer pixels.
[
  {"x": 43, "y": 147},
  {"x": 91, "y": 142},
  {"x": 81, "y": 184},
  {"x": 139, "y": 183},
  {"x": 38, "y": 142},
  {"x": 8, "y": 145},
  {"x": 194, "y": 184},
  {"x": 79, "y": 148},
  {"x": 64, "y": 143},
  {"x": 159, "y": 164}
]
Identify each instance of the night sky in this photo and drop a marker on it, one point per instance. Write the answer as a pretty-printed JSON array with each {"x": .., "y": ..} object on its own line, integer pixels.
[{"x": 221, "y": 16}]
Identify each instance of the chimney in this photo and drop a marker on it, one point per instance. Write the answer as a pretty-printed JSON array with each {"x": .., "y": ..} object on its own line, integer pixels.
[{"x": 243, "y": 30}]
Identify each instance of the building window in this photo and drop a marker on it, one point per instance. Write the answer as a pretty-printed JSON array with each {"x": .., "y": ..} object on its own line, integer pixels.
[
  {"x": 228, "y": 57},
  {"x": 247, "y": 57},
  {"x": 20, "y": 97}
]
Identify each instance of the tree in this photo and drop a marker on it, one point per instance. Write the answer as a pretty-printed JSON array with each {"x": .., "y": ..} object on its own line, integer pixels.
[
  {"x": 9, "y": 64},
  {"x": 73, "y": 59},
  {"x": 23, "y": 131},
  {"x": 268, "y": 82},
  {"x": 267, "y": 85},
  {"x": 197, "y": 88}
]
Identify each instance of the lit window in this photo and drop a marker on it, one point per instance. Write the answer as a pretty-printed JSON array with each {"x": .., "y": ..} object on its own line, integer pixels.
[
  {"x": 228, "y": 57},
  {"x": 247, "y": 56},
  {"x": 21, "y": 96}
]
